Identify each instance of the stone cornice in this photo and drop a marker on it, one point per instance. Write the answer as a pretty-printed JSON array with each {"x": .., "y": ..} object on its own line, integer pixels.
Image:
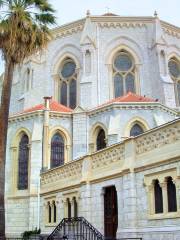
[
  {"x": 38, "y": 113},
  {"x": 68, "y": 29},
  {"x": 113, "y": 21},
  {"x": 100, "y": 109},
  {"x": 171, "y": 29},
  {"x": 133, "y": 105}
]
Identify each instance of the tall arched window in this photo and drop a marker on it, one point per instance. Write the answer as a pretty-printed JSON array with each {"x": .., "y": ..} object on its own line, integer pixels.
[
  {"x": 136, "y": 130},
  {"x": 57, "y": 150},
  {"x": 158, "y": 197},
  {"x": 68, "y": 83},
  {"x": 69, "y": 208},
  {"x": 174, "y": 70},
  {"x": 49, "y": 212},
  {"x": 88, "y": 62},
  {"x": 171, "y": 193},
  {"x": 23, "y": 159},
  {"x": 123, "y": 73},
  {"x": 101, "y": 140},
  {"x": 75, "y": 207}
]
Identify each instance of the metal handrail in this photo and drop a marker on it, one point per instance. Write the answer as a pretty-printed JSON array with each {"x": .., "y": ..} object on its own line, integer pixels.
[{"x": 80, "y": 227}]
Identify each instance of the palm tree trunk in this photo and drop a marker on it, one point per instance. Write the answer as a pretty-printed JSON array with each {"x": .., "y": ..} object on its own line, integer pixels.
[{"x": 4, "y": 113}]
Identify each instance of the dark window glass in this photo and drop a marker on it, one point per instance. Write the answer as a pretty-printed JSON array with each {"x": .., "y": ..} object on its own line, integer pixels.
[
  {"x": 171, "y": 192},
  {"x": 68, "y": 69},
  {"x": 49, "y": 212},
  {"x": 72, "y": 94},
  {"x": 69, "y": 208},
  {"x": 178, "y": 92},
  {"x": 54, "y": 212},
  {"x": 118, "y": 85},
  {"x": 174, "y": 68},
  {"x": 136, "y": 130},
  {"x": 158, "y": 197},
  {"x": 75, "y": 208},
  {"x": 130, "y": 86},
  {"x": 57, "y": 150},
  {"x": 101, "y": 140},
  {"x": 64, "y": 94},
  {"x": 123, "y": 63},
  {"x": 23, "y": 163}
]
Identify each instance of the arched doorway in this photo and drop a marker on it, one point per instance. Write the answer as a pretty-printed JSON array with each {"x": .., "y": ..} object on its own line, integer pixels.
[{"x": 110, "y": 213}]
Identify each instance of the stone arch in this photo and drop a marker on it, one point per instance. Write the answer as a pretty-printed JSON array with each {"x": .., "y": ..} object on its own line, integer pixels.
[
  {"x": 66, "y": 51},
  {"x": 135, "y": 51},
  {"x": 15, "y": 157},
  {"x": 127, "y": 44},
  {"x": 63, "y": 52},
  {"x": 136, "y": 120},
  {"x": 175, "y": 56},
  {"x": 67, "y": 142},
  {"x": 93, "y": 134}
]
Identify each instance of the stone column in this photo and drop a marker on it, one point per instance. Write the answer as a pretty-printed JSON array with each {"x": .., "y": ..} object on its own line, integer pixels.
[
  {"x": 110, "y": 80},
  {"x": 163, "y": 185},
  {"x": 46, "y": 132}
]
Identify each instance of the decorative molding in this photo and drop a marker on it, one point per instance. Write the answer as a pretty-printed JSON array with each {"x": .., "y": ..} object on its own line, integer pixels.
[
  {"x": 72, "y": 169},
  {"x": 122, "y": 25},
  {"x": 68, "y": 29},
  {"x": 156, "y": 139},
  {"x": 108, "y": 156},
  {"x": 171, "y": 32}
]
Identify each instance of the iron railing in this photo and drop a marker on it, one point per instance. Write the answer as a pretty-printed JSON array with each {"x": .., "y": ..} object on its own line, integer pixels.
[{"x": 77, "y": 228}]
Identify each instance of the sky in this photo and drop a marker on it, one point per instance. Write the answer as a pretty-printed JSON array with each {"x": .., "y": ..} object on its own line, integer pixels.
[{"x": 68, "y": 10}]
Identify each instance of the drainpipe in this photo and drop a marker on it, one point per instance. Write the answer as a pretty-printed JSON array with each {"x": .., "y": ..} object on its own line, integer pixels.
[
  {"x": 46, "y": 132},
  {"x": 38, "y": 204},
  {"x": 98, "y": 65}
]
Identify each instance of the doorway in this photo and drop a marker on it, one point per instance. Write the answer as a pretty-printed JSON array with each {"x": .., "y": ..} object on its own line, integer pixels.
[{"x": 110, "y": 213}]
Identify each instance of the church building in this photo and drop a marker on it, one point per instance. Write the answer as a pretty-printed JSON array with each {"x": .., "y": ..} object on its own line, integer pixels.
[{"x": 94, "y": 130}]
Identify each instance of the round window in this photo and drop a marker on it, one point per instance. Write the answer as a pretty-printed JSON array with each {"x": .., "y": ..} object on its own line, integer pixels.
[
  {"x": 174, "y": 68},
  {"x": 123, "y": 63},
  {"x": 68, "y": 69}
]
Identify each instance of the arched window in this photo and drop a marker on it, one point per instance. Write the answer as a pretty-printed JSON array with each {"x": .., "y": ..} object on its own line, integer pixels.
[
  {"x": 136, "y": 130},
  {"x": 158, "y": 197},
  {"x": 57, "y": 150},
  {"x": 88, "y": 62},
  {"x": 162, "y": 62},
  {"x": 54, "y": 211},
  {"x": 49, "y": 212},
  {"x": 174, "y": 70},
  {"x": 69, "y": 208},
  {"x": 23, "y": 159},
  {"x": 68, "y": 83},
  {"x": 123, "y": 74},
  {"x": 72, "y": 87},
  {"x": 101, "y": 140},
  {"x": 171, "y": 193},
  {"x": 75, "y": 207}
]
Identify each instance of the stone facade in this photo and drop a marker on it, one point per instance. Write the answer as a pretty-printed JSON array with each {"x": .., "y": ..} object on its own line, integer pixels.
[{"x": 128, "y": 162}]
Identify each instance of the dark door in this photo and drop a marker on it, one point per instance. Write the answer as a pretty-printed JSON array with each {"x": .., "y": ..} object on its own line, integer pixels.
[{"x": 110, "y": 213}]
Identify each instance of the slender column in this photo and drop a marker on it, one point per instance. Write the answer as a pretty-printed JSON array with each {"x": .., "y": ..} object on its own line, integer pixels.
[
  {"x": 56, "y": 87},
  {"x": 110, "y": 81},
  {"x": 46, "y": 132},
  {"x": 164, "y": 193}
]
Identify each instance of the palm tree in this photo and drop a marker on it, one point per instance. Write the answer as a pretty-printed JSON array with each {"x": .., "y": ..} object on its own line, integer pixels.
[{"x": 24, "y": 30}]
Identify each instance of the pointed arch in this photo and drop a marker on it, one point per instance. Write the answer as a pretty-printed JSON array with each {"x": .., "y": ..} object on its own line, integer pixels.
[
  {"x": 97, "y": 137},
  {"x": 21, "y": 152},
  {"x": 136, "y": 121},
  {"x": 62, "y": 147}
]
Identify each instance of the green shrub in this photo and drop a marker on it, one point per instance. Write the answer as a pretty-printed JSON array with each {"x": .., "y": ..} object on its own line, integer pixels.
[{"x": 26, "y": 235}]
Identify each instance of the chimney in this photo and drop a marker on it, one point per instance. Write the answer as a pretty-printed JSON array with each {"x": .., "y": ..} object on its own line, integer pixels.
[{"x": 47, "y": 102}]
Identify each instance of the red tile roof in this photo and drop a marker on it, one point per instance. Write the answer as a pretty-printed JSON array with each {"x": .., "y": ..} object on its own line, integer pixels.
[
  {"x": 54, "y": 106},
  {"x": 128, "y": 98}
]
